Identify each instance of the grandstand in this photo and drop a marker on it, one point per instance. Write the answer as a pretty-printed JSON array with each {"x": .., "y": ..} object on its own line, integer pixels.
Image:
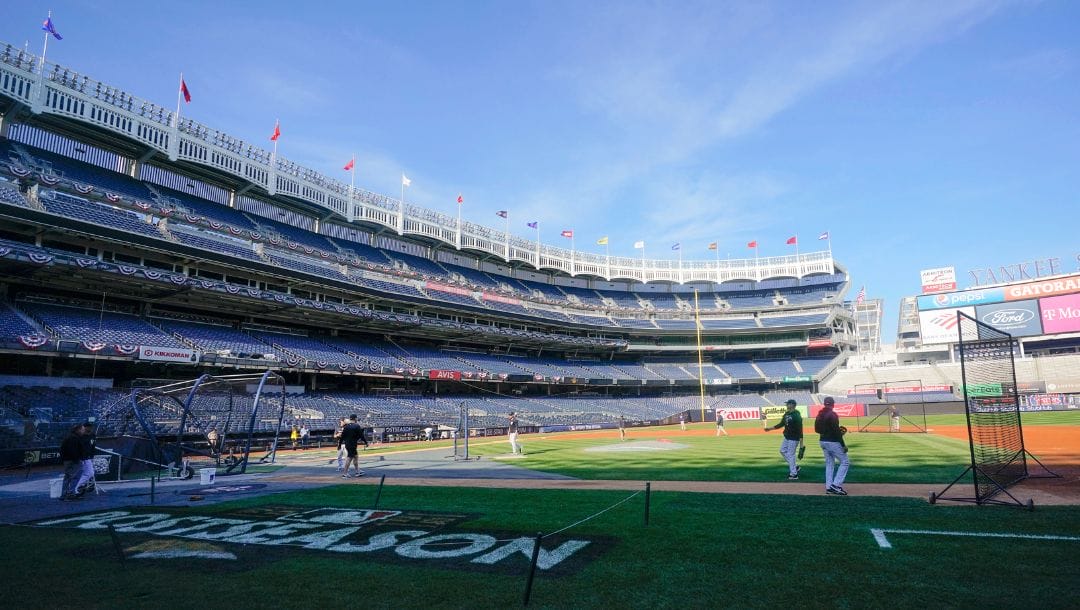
[{"x": 155, "y": 232}]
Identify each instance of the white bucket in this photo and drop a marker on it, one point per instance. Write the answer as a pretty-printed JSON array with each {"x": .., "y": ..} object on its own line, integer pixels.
[
  {"x": 207, "y": 476},
  {"x": 56, "y": 487}
]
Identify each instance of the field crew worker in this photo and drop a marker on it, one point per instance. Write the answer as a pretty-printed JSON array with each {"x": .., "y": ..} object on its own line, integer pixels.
[
  {"x": 791, "y": 422},
  {"x": 827, "y": 425}
]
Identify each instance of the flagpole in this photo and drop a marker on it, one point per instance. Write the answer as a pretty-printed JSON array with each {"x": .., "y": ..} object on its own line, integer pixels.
[
  {"x": 607, "y": 255},
  {"x": 459, "y": 222},
  {"x": 44, "y": 49},
  {"x": 179, "y": 94},
  {"x": 401, "y": 207},
  {"x": 506, "y": 235},
  {"x": 572, "y": 263},
  {"x": 538, "y": 244},
  {"x": 642, "y": 261},
  {"x": 680, "y": 263},
  {"x": 277, "y": 125}
]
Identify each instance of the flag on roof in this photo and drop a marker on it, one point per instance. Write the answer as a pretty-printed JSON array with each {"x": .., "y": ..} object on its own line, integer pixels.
[
  {"x": 534, "y": 224},
  {"x": 603, "y": 241},
  {"x": 501, "y": 213},
  {"x": 184, "y": 91},
  {"x": 351, "y": 164},
  {"x": 460, "y": 199},
  {"x": 713, "y": 246},
  {"x": 859, "y": 298},
  {"x": 277, "y": 131},
  {"x": 824, "y": 235},
  {"x": 752, "y": 244},
  {"x": 405, "y": 181},
  {"x": 639, "y": 245},
  {"x": 50, "y": 28},
  {"x": 793, "y": 240},
  {"x": 568, "y": 233},
  {"x": 676, "y": 246}
]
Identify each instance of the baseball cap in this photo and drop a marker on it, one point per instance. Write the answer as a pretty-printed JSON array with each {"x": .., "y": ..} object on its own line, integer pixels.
[
  {"x": 829, "y": 401},
  {"x": 790, "y": 403}
]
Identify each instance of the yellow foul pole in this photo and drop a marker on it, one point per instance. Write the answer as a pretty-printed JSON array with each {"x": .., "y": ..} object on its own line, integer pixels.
[{"x": 700, "y": 366}]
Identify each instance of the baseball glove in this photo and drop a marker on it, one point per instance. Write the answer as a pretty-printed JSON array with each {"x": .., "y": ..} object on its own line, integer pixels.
[
  {"x": 802, "y": 451},
  {"x": 843, "y": 430}
]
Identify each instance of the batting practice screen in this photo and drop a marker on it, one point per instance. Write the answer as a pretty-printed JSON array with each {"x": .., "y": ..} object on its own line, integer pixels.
[{"x": 998, "y": 459}]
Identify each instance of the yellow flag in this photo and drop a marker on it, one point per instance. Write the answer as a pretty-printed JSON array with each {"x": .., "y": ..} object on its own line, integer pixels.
[{"x": 602, "y": 241}]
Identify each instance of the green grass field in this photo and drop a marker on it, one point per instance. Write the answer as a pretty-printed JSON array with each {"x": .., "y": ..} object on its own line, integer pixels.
[{"x": 699, "y": 550}]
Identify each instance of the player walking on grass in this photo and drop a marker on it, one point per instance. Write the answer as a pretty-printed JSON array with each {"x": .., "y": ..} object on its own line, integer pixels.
[
  {"x": 791, "y": 422},
  {"x": 352, "y": 434},
  {"x": 340, "y": 445},
  {"x": 827, "y": 425},
  {"x": 512, "y": 432},
  {"x": 720, "y": 423}
]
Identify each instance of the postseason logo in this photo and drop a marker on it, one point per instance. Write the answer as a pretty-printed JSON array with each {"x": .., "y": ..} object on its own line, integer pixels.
[{"x": 390, "y": 536}]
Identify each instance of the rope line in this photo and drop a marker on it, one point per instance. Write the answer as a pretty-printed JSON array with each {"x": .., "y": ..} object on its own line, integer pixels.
[{"x": 591, "y": 517}]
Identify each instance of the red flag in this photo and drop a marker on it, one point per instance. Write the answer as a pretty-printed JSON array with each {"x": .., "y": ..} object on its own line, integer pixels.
[
  {"x": 277, "y": 131},
  {"x": 712, "y": 246},
  {"x": 568, "y": 233},
  {"x": 351, "y": 164},
  {"x": 184, "y": 91},
  {"x": 752, "y": 244},
  {"x": 792, "y": 240},
  {"x": 460, "y": 199}
]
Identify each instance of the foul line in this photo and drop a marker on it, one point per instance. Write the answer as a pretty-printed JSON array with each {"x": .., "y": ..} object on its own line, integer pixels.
[{"x": 883, "y": 542}]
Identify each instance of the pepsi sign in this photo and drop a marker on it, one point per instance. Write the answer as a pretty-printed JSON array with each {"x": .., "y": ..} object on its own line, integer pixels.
[{"x": 964, "y": 298}]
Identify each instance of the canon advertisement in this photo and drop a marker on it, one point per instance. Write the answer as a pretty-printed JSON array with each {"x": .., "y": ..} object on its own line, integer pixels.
[
  {"x": 1018, "y": 318},
  {"x": 941, "y": 326},
  {"x": 1060, "y": 314}
]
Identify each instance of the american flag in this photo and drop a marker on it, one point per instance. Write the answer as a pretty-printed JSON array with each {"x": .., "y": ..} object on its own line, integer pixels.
[{"x": 859, "y": 298}]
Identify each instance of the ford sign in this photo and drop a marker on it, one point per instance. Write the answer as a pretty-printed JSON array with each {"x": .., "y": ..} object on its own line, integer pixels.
[{"x": 1004, "y": 317}]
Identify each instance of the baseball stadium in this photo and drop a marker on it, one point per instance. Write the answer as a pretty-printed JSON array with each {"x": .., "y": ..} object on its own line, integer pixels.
[{"x": 205, "y": 323}]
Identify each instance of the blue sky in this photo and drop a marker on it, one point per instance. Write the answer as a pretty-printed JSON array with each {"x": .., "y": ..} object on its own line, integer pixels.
[{"x": 919, "y": 134}]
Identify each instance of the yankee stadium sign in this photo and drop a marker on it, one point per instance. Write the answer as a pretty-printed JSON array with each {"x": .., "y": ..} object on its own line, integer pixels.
[{"x": 384, "y": 535}]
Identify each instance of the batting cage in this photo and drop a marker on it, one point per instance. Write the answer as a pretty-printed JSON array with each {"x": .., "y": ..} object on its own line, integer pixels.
[
  {"x": 992, "y": 405},
  {"x": 893, "y": 406},
  {"x": 209, "y": 422}
]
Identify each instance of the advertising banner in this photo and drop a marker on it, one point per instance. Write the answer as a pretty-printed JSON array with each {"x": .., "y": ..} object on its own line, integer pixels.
[
  {"x": 740, "y": 413},
  {"x": 1018, "y": 318},
  {"x": 1060, "y": 314},
  {"x": 940, "y": 326},
  {"x": 819, "y": 343},
  {"x": 449, "y": 375},
  {"x": 843, "y": 409},
  {"x": 465, "y": 292},
  {"x": 794, "y": 379},
  {"x": 167, "y": 354},
  {"x": 961, "y": 299},
  {"x": 941, "y": 279},
  {"x": 1043, "y": 288},
  {"x": 906, "y": 389}
]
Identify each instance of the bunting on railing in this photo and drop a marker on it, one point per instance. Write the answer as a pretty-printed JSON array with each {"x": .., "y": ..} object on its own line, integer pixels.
[
  {"x": 85, "y": 189},
  {"x": 93, "y": 346},
  {"x": 233, "y": 230},
  {"x": 85, "y": 263},
  {"x": 292, "y": 361},
  {"x": 232, "y": 289},
  {"x": 142, "y": 205},
  {"x": 50, "y": 179},
  {"x": 33, "y": 341},
  {"x": 215, "y": 225},
  {"x": 152, "y": 274},
  {"x": 39, "y": 258},
  {"x": 179, "y": 280},
  {"x": 18, "y": 170},
  {"x": 126, "y": 269},
  {"x": 113, "y": 197},
  {"x": 126, "y": 350}
]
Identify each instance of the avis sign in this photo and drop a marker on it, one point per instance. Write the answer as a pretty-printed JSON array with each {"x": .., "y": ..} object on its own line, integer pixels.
[{"x": 391, "y": 536}]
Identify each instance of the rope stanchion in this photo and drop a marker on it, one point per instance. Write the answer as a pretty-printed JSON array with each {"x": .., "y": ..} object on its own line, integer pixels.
[
  {"x": 153, "y": 486},
  {"x": 532, "y": 567},
  {"x": 378, "y": 494},
  {"x": 648, "y": 496},
  {"x": 116, "y": 543}
]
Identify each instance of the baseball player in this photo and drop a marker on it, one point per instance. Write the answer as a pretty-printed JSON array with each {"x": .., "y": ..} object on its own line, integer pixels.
[
  {"x": 512, "y": 434},
  {"x": 831, "y": 433},
  {"x": 791, "y": 422}
]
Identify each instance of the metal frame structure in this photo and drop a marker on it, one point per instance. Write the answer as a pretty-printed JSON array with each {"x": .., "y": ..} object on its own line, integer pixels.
[{"x": 880, "y": 391}]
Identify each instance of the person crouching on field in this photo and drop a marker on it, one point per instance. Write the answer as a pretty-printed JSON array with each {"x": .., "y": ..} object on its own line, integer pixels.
[
  {"x": 793, "y": 438},
  {"x": 827, "y": 425}
]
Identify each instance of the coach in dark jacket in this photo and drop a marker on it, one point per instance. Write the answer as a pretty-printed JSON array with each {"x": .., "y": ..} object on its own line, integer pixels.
[{"x": 71, "y": 452}]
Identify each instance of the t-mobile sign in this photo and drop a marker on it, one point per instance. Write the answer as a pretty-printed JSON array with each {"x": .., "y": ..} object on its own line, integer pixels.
[{"x": 1060, "y": 314}]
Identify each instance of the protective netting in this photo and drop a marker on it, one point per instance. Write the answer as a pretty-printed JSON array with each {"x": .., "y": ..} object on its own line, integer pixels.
[{"x": 992, "y": 405}]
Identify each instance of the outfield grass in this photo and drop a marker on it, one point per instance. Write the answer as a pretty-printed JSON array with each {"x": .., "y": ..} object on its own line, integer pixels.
[{"x": 699, "y": 551}]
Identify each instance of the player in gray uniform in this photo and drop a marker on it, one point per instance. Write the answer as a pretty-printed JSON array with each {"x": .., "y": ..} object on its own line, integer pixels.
[{"x": 827, "y": 425}]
